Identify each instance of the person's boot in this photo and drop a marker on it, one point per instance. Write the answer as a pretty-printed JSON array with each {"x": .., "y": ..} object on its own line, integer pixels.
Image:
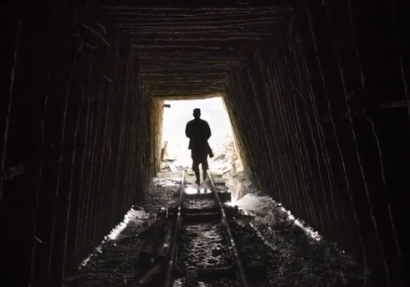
[{"x": 204, "y": 175}]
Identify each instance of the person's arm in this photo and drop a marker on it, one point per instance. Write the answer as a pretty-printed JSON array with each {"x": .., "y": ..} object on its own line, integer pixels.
[
  {"x": 207, "y": 131},
  {"x": 188, "y": 130}
]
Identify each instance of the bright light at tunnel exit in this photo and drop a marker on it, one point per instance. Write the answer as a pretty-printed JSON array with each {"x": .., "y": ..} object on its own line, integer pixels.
[{"x": 180, "y": 112}]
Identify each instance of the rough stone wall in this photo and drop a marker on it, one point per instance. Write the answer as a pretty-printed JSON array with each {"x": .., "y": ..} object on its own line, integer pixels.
[
  {"x": 321, "y": 115},
  {"x": 75, "y": 138}
]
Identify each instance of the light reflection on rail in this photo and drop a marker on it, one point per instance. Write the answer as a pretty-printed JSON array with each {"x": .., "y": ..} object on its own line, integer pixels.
[{"x": 191, "y": 189}]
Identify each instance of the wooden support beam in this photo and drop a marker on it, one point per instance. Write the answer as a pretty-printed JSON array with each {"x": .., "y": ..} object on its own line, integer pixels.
[
  {"x": 176, "y": 47},
  {"x": 177, "y": 22},
  {"x": 177, "y": 69},
  {"x": 206, "y": 15},
  {"x": 153, "y": 76},
  {"x": 192, "y": 10},
  {"x": 245, "y": 26},
  {"x": 193, "y": 89},
  {"x": 220, "y": 40},
  {"x": 188, "y": 56},
  {"x": 222, "y": 19},
  {"x": 199, "y": 94},
  {"x": 180, "y": 85},
  {"x": 218, "y": 33},
  {"x": 183, "y": 73},
  {"x": 157, "y": 68}
]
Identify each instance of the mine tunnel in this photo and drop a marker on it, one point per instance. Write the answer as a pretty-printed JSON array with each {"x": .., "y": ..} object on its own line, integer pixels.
[{"x": 317, "y": 93}]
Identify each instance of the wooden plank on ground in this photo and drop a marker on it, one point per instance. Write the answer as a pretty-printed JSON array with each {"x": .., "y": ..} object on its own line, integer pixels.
[{"x": 172, "y": 167}]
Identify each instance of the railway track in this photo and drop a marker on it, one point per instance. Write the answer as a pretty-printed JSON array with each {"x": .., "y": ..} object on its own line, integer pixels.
[{"x": 197, "y": 246}]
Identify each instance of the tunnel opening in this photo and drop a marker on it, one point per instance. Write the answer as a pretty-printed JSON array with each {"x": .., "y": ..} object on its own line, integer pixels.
[{"x": 175, "y": 144}]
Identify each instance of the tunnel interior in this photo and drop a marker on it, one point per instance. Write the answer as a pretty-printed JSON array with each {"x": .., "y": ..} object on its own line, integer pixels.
[{"x": 316, "y": 91}]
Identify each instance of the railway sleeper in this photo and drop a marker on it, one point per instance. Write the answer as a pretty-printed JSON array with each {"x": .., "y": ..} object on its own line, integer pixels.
[
  {"x": 203, "y": 217},
  {"x": 198, "y": 195},
  {"x": 224, "y": 196},
  {"x": 204, "y": 274},
  {"x": 197, "y": 215},
  {"x": 194, "y": 211}
]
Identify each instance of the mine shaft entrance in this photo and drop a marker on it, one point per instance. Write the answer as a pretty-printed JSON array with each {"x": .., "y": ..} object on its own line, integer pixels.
[{"x": 177, "y": 113}]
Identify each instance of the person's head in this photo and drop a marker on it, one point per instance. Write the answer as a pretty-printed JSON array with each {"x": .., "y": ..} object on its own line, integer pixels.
[{"x": 197, "y": 113}]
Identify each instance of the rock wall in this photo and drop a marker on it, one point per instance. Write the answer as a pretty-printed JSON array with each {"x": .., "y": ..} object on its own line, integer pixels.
[
  {"x": 320, "y": 111},
  {"x": 76, "y": 137}
]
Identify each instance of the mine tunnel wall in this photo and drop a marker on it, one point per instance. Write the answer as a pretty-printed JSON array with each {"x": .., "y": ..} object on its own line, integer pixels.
[
  {"x": 319, "y": 115},
  {"x": 320, "y": 111},
  {"x": 158, "y": 120},
  {"x": 76, "y": 139}
]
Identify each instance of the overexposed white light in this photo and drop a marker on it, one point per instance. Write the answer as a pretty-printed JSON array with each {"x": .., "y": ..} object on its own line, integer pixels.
[
  {"x": 180, "y": 113},
  {"x": 231, "y": 203},
  {"x": 191, "y": 189}
]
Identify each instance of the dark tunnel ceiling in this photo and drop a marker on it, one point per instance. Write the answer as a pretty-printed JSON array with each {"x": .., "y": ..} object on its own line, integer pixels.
[{"x": 186, "y": 48}]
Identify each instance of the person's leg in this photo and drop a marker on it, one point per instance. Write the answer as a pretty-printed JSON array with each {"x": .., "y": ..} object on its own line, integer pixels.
[
  {"x": 195, "y": 166},
  {"x": 204, "y": 165},
  {"x": 197, "y": 175}
]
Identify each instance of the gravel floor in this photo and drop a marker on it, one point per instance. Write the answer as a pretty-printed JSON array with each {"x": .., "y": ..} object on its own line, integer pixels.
[
  {"x": 292, "y": 256},
  {"x": 203, "y": 246},
  {"x": 222, "y": 283},
  {"x": 114, "y": 266},
  {"x": 180, "y": 282},
  {"x": 300, "y": 257},
  {"x": 116, "y": 263}
]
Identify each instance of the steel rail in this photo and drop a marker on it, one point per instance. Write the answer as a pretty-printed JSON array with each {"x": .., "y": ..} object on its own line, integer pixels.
[
  {"x": 178, "y": 220},
  {"x": 228, "y": 230}
]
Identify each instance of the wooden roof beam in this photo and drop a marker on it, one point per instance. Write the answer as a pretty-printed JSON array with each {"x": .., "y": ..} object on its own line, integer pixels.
[
  {"x": 177, "y": 47},
  {"x": 221, "y": 33},
  {"x": 199, "y": 27},
  {"x": 191, "y": 14},
  {"x": 178, "y": 22},
  {"x": 200, "y": 38},
  {"x": 193, "y": 10},
  {"x": 180, "y": 70},
  {"x": 185, "y": 83},
  {"x": 182, "y": 74}
]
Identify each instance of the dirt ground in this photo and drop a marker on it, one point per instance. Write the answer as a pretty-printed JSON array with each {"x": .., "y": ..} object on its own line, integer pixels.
[{"x": 268, "y": 238}]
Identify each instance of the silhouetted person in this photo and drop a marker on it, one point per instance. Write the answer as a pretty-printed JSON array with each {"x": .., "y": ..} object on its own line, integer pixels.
[{"x": 198, "y": 132}]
